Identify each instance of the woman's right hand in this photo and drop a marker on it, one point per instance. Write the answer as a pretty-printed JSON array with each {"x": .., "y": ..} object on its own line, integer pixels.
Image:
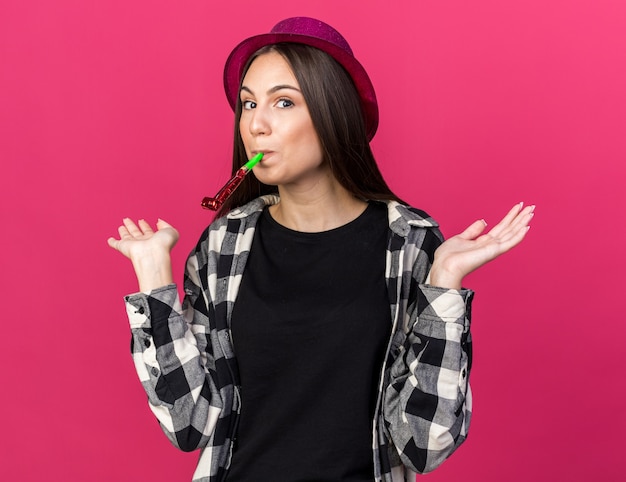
[{"x": 148, "y": 250}]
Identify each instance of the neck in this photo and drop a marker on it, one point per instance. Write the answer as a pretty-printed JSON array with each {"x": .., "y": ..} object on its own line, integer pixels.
[{"x": 321, "y": 208}]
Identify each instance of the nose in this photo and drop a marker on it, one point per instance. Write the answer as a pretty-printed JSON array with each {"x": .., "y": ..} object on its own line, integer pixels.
[{"x": 260, "y": 122}]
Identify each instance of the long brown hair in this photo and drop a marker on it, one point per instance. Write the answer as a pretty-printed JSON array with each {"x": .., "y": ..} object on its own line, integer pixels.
[{"x": 335, "y": 110}]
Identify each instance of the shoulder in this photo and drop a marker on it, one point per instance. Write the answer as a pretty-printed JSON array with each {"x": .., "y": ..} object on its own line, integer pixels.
[
  {"x": 414, "y": 232},
  {"x": 244, "y": 214},
  {"x": 403, "y": 218}
]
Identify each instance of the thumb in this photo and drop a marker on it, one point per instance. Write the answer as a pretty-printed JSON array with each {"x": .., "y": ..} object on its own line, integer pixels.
[
  {"x": 474, "y": 230},
  {"x": 112, "y": 242},
  {"x": 162, "y": 224}
]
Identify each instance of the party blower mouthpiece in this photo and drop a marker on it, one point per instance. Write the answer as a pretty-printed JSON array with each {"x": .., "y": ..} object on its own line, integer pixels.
[{"x": 214, "y": 203}]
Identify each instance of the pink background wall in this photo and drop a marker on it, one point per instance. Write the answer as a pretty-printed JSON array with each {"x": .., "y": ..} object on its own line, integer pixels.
[{"x": 115, "y": 108}]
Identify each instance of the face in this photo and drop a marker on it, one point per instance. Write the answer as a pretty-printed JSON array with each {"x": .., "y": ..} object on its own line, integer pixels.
[{"x": 275, "y": 120}]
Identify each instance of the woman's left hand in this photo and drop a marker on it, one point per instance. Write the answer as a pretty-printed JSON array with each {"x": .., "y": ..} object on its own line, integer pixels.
[{"x": 465, "y": 252}]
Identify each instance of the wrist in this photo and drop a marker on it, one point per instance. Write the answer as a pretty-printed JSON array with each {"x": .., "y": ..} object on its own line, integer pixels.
[
  {"x": 444, "y": 278},
  {"x": 153, "y": 271}
]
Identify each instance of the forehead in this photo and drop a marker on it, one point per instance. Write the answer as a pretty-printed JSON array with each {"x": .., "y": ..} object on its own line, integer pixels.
[{"x": 267, "y": 70}]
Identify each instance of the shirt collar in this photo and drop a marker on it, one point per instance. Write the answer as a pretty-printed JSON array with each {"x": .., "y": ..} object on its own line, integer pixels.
[{"x": 401, "y": 217}]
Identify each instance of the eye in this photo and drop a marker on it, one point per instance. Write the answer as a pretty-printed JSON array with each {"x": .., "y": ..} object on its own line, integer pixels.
[
  {"x": 248, "y": 104},
  {"x": 284, "y": 103}
]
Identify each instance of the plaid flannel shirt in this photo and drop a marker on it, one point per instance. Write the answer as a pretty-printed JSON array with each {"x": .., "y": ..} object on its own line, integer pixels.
[{"x": 185, "y": 360}]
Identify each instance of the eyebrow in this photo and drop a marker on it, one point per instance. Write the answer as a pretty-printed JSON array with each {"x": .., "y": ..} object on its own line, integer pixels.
[{"x": 274, "y": 89}]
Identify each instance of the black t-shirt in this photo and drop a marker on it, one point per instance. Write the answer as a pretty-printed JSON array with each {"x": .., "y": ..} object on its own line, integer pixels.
[{"x": 310, "y": 327}]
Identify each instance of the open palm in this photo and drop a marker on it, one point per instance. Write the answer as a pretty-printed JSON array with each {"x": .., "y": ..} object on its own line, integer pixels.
[
  {"x": 469, "y": 250},
  {"x": 140, "y": 240}
]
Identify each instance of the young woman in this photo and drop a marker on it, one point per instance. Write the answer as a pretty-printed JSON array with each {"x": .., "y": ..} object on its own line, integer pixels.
[{"x": 324, "y": 334}]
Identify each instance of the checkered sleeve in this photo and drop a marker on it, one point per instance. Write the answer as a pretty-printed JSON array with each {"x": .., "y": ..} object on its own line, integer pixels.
[
  {"x": 170, "y": 354},
  {"x": 428, "y": 400}
]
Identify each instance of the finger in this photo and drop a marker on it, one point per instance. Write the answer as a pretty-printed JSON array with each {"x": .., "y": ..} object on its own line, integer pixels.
[
  {"x": 524, "y": 218},
  {"x": 161, "y": 224},
  {"x": 513, "y": 220},
  {"x": 519, "y": 225},
  {"x": 512, "y": 214},
  {"x": 521, "y": 221},
  {"x": 513, "y": 233},
  {"x": 145, "y": 227},
  {"x": 132, "y": 227},
  {"x": 506, "y": 220},
  {"x": 474, "y": 230},
  {"x": 513, "y": 240},
  {"x": 112, "y": 242},
  {"x": 123, "y": 232}
]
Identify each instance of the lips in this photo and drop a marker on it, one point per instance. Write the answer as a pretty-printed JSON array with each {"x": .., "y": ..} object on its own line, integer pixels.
[{"x": 266, "y": 153}]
